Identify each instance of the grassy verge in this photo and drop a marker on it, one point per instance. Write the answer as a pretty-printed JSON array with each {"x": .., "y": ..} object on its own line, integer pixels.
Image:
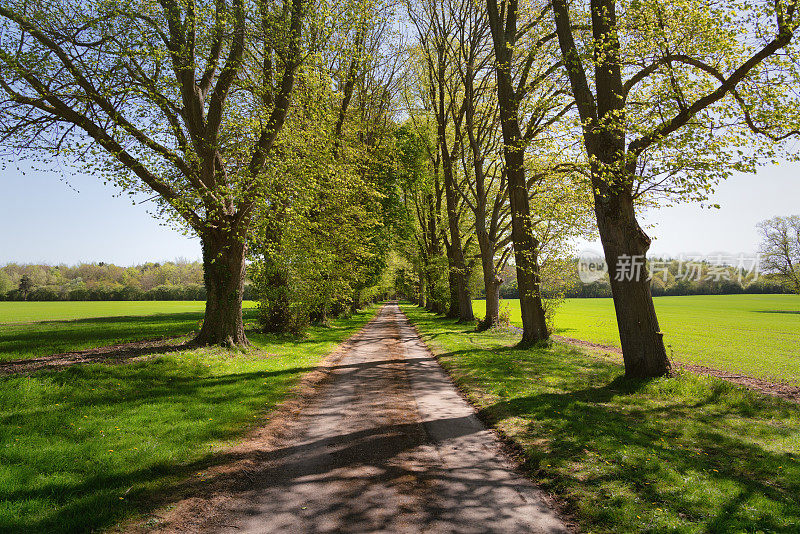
[
  {"x": 684, "y": 454},
  {"x": 83, "y": 447},
  {"x": 70, "y": 326},
  {"x": 757, "y": 335}
]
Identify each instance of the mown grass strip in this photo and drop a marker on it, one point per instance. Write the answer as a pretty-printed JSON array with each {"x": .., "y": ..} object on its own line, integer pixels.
[
  {"x": 84, "y": 447},
  {"x": 683, "y": 454}
]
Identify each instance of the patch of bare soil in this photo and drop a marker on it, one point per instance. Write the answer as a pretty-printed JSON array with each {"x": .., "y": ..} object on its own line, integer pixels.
[
  {"x": 784, "y": 390},
  {"x": 122, "y": 353}
]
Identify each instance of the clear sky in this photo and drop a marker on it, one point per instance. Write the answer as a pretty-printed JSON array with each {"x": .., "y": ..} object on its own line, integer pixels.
[
  {"x": 45, "y": 217},
  {"x": 744, "y": 199}
]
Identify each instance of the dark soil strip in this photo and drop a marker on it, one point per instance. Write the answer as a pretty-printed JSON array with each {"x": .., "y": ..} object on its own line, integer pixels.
[
  {"x": 122, "y": 353},
  {"x": 784, "y": 390}
]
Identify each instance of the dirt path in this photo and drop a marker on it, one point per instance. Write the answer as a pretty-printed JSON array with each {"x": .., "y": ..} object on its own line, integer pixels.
[{"x": 387, "y": 446}]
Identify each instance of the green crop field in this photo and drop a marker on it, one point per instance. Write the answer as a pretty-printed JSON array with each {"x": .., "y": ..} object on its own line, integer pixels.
[
  {"x": 33, "y": 329},
  {"x": 28, "y": 312},
  {"x": 758, "y": 335}
]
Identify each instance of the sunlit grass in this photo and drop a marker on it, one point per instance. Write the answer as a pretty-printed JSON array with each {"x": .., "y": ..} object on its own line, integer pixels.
[
  {"x": 758, "y": 335},
  {"x": 86, "y": 446},
  {"x": 684, "y": 454},
  {"x": 45, "y": 328},
  {"x": 27, "y": 312}
]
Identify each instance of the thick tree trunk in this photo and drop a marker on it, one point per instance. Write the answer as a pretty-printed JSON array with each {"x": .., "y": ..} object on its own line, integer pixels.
[
  {"x": 492, "y": 318},
  {"x": 526, "y": 253},
  {"x": 625, "y": 245},
  {"x": 534, "y": 326},
  {"x": 223, "y": 272}
]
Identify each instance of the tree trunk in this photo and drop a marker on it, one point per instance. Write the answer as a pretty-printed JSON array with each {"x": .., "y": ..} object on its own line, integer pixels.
[
  {"x": 223, "y": 272},
  {"x": 491, "y": 281},
  {"x": 461, "y": 298},
  {"x": 421, "y": 296},
  {"x": 534, "y": 326},
  {"x": 452, "y": 283},
  {"x": 355, "y": 305},
  {"x": 625, "y": 245},
  {"x": 492, "y": 318},
  {"x": 526, "y": 253}
]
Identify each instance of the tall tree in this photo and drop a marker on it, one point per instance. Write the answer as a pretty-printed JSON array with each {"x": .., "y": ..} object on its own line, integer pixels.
[
  {"x": 434, "y": 23},
  {"x": 780, "y": 248},
  {"x": 531, "y": 100},
  {"x": 483, "y": 188},
  {"x": 659, "y": 98},
  {"x": 181, "y": 99}
]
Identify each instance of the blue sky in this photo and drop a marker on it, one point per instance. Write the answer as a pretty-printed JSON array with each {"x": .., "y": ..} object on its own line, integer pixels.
[{"x": 49, "y": 218}]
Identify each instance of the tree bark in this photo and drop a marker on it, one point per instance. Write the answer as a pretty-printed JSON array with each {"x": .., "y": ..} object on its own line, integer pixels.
[
  {"x": 504, "y": 34},
  {"x": 452, "y": 284},
  {"x": 461, "y": 297},
  {"x": 223, "y": 272},
  {"x": 491, "y": 281},
  {"x": 526, "y": 251},
  {"x": 421, "y": 296},
  {"x": 625, "y": 246}
]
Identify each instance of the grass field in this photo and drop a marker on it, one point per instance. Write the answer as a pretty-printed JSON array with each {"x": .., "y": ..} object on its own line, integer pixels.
[
  {"x": 85, "y": 447},
  {"x": 688, "y": 454},
  {"x": 27, "y": 312},
  {"x": 34, "y": 329},
  {"x": 757, "y": 335}
]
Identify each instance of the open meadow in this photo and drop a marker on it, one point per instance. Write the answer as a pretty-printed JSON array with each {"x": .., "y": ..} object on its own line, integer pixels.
[{"x": 757, "y": 335}]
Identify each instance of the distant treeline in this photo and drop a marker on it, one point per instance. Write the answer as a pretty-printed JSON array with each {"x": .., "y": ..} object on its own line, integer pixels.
[
  {"x": 178, "y": 280},
  {"x": 670, "y": 278}
]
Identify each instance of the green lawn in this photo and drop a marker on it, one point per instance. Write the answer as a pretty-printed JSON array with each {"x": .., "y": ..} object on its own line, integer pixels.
[
  {"x": 686, "y": 454},
  {"x": 34, "y": 329},
  {"x": 758, "y": 335},
  {"x": 84, "y": 447},
  {"x": 27, "y": 312}
]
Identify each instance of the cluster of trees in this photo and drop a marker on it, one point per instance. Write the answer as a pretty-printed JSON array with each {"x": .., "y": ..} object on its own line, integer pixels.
[
  {"x": 313, "y": 136},
  {"x": 525, "y": 112},
  {"x": 178, "y": 280},
  {"x": 676, "y": 278},
  {"x": 257, "y": 124}
]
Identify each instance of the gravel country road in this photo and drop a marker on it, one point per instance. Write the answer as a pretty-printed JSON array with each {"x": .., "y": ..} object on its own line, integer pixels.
[{"x": 388, "y": 446}]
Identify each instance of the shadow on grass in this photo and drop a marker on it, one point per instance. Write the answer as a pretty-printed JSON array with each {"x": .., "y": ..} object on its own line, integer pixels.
[
  {"x": 790, "y": 312},
  {"x": 639, "y": 450},
  {"x": 684, "y": 454},
  {"x": 81, "y": 482},
  {"x": 84, "y": 446}
]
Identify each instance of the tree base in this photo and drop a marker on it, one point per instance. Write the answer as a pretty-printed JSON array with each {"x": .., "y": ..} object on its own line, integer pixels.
[{"x": 228, "y": 342}]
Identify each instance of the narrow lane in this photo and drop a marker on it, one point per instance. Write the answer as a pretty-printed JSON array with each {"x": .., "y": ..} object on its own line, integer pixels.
[{"x": 388, "y": 446}]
